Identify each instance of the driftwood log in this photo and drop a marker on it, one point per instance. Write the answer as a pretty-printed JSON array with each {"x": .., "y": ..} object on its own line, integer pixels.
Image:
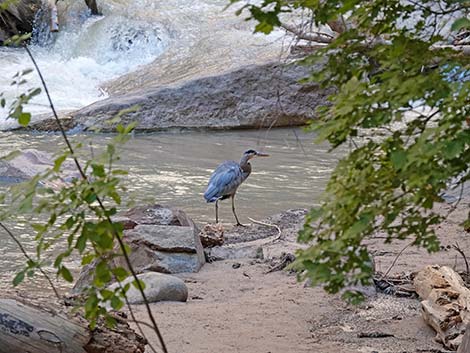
[
  {"x": 445, "y": 303},
  {"x": 26, "y": 329}
]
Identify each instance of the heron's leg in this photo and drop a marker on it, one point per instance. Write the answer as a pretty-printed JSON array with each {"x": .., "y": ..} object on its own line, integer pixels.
[
  {"x": 216, "y": 211},
  {"x": 233, "y": 210}
]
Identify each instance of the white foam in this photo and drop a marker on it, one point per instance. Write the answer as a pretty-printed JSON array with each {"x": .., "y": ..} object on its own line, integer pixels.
[{"x": 82, "y": 57}]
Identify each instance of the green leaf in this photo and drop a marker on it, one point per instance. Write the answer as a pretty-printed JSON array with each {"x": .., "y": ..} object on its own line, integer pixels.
[
  {"x": 81, "y": 243},
  {"x": 460, "y": 23},
  {"x": 120, "y": 273},
  {"x": 103, "y": 274},
  {"x": 65, "y": 273},
  {"x": 58, "y": 162},
  {"x": 87, "y": 259},
  {"x": 136, "y": 284},
  {"x": 399, "y": 158},
  {"x": 116, "y": 303},
  {"x": 18, "y": 278},
  {"x": 24, "y": 119}
]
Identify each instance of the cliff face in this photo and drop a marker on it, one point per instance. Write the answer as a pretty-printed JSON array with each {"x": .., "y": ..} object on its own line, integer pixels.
[{"x": 16, "y": 17}]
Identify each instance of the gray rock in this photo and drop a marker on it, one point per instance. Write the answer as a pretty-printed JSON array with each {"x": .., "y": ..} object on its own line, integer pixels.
[
  {"x": 18, "y": 18},
  {"x": 252, "y": 97},
  {"x": 30, "y": 162},
  {"x": 155, "y": 247},
  {"x": 163, "y": 238},
  {"x": 167, "y": 249},
  {"x": 158, "y": 287},
  {"x": 10, "y": 174},
  {"x": 158, "y": 214}
]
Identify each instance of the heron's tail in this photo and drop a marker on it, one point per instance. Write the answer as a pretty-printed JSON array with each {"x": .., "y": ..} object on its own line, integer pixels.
[{"x": 211, "y": 194}]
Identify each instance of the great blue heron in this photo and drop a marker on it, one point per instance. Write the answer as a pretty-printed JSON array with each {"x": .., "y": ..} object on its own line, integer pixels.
[{"x": 226, "y": 179}]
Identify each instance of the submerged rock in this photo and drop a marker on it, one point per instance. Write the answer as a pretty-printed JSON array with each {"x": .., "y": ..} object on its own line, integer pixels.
[
  {"x": 252, "y": 97},
  {"x": 158, "y": 287},
  {"x": 28, "y": 163}
]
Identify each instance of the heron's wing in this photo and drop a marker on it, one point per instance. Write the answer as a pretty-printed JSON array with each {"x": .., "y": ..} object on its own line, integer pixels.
[{"x": 224, "y": 181}]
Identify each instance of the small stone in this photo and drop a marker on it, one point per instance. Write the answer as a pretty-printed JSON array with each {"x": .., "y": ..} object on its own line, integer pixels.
[{"x": 236, "y": 265}]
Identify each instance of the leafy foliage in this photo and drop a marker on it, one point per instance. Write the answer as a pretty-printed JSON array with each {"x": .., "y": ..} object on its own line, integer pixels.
[{"x": 393, "y": 72}]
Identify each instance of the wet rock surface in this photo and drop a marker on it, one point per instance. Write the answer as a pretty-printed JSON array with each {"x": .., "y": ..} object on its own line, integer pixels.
[
  {"x": 252, "y": 97},
  {"x": 30, "y": 162}
]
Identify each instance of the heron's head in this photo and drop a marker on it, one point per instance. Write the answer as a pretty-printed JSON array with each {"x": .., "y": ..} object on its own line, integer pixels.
[{"x": 252, "y": 153}]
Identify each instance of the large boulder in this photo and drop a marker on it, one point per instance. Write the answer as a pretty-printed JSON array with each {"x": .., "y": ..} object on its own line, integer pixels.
[
  {"x": 161, "y": 239},
  {"x": 252, "y": 97},
  {"x": 161, "y": 248},
  {"x": 18, "y": 17},
  {"x": 158, "y": 287}
]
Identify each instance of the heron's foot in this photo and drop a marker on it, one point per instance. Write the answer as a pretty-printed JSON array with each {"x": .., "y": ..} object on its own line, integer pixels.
[{"x": 240, "y": 225}]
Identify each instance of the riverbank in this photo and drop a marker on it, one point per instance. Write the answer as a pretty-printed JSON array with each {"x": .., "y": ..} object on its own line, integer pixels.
[
  {"x": 239, "y": 306},
  {"x": 248, "y": 305}
]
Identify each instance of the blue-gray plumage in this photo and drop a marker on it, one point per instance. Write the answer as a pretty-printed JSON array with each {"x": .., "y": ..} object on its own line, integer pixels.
[{"x": 226, "y": 179}]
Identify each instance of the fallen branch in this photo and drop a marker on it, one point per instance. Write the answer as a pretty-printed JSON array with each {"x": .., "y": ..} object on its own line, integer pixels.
[
  {"x": 461, "y": 252},
  {"x": 396, "y": 259},
  {"x": 311, "y": 37},
  {"x": 268, "y": 225}
]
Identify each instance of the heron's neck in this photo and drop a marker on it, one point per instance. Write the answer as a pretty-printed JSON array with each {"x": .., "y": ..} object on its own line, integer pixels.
[{"x": 245, "y": 165}]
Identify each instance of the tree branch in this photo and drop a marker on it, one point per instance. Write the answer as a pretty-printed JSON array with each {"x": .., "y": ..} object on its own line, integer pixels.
[
  {"x": 83, "y": 175},
  {"x": 311, "y": 37}
]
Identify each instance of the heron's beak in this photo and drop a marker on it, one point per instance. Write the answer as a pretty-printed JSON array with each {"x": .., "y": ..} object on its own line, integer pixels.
[{"x": 261, "y": 154}]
